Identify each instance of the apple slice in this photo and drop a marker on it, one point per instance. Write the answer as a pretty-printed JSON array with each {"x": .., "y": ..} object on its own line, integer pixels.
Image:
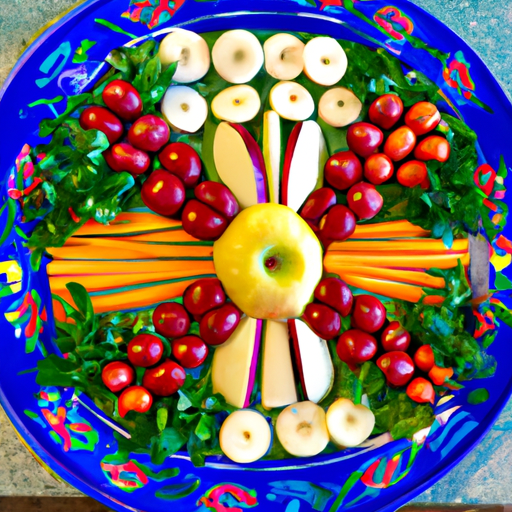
[
  {"x": 305, "y": 158},
  {"x": 277, "y": 379},
  {"x": 184, "y": 108},
  {"x": 313, "y": 359},
  {"x": 291, "y": 101},
  {"x": 234, "y": 363},
  {"x": 339, "y": 107},
  {"x": 237, "y": 56},
  {"x": 236, "y": 104},
  {"x": 272, "y": 152},
  {"x": 283, "y": 56},
  {"x": 189, "y": 50},
  {"x": 349, "y": 424},
  {"x": 240, "y": 164},
  {"x": 325, "y": 61}
]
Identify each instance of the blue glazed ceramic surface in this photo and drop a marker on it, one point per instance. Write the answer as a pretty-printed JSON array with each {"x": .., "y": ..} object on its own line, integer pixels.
[{"x": 64, "y": 434}]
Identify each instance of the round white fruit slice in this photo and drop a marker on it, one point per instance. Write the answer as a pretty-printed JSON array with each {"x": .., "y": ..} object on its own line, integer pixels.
[
  {"x": 245, "y": 436},
  {"x": 325, "y": 61},
  {"x": 236, "y": 104},
  {"x": 348, "y": 424},
  {"x": 189, "y": 50},
  {"x": 184, "y": 108},
  {"x": 283, "y": 56},
  {"x": 237, "y": 56},
  {"x": 339, "y": 107},
  {"x": 302, "y": 430},
  {"x": 291, "y": 101}
]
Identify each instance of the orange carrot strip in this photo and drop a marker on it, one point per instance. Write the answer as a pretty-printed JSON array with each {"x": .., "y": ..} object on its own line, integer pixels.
[
  {"x": 429, "y": 245},
  {"x": 175, "y": 235},
  {"x": 391, "y": 229},
  {"x": 333, "y": 261}
]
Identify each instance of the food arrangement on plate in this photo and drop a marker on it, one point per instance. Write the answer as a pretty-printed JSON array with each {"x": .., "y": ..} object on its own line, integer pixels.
[{"x": 259, "y": 245}]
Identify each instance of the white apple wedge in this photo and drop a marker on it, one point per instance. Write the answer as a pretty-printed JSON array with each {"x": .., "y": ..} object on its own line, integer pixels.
[
  {"x": 189, "y": 50},
  {"x": 283, "y": 56},
  {"x": 277, "y": 380},
  {"x": 302, "y": 429},
  {"x": 235, "y": 361},
  {"x": 325, "y": 61},
  {"x": 291, "y": 101},
  {"x": 184, "y": 108},
  {"x": 236, "y": 104},
  {"x": 305, "y": 158},
  {"x": 348, "y": 424},
  {"x": 272, "y": 152},
  {"x": 339, "y": 107},
  {"x": 245, "y": 436},
  {"x": 313, "y": 359},
  {"x": 237, "y": 56},
  {"x": 240, "y": 164}
]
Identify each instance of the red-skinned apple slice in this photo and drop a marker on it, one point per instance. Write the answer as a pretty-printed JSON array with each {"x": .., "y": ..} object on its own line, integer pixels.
[
  {"x": 240, "y": 164},
  {"x": 272, "y": 153},
  {"x": 313, "y": 360},
  {"x": 277, "y": 379},
  {"x": 305, "y": 158},
  {"x": 235, "y": 362}
]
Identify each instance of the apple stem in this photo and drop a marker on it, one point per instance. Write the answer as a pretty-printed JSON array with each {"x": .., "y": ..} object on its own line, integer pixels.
[{"x": 271, "y": 263}]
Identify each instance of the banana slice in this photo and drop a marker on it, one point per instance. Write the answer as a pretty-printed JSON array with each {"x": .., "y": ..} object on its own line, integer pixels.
[
  {"x": 325, "y": 61},
  {"x": 339, "y": 107},
  {"x": 236, "y": 104},
  {"x": 184, "y": 108},
  {"x": 283, "y": 56},
  {"x": 291, "y": 101}
]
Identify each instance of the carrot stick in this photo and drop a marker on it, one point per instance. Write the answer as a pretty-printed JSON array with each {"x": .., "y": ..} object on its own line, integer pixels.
[
  {"x": 168, "y": 236},
  {"x": 418, "y": 278},
  {"x": 391, "y": 229},
  {"x": 428, "y": 246},
  {"x": 333, "y": 260},
  {"x": 390, "y": 289}
]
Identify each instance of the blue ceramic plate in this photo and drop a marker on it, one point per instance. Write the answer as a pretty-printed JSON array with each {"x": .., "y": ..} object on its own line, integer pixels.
[{"x": 65, "y": 435}]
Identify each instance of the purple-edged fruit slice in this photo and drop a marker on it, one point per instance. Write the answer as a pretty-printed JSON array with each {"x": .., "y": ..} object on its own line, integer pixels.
[
  {"x": 235, "y": 362},
  {"x": 313, "y": 361},
  {"x": 240, "y": 164},
  {"x": 304, "y": 161},
  {"x": 277, "y": 379}
]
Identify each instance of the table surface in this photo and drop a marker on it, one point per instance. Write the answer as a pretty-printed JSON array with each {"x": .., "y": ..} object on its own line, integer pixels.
[{"x": 484, "y": 476}]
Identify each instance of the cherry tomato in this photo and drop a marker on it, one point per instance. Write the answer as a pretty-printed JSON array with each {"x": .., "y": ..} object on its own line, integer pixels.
[
  {"x": 99, "y": 118},
  {"x": 323, "y": 320},
  {"x": 424, "y": 358},
  {"x": 149, "y": 133},
  {"x": 335, "y": 293},
  {"x": 202, "y": 222},
  {"x": 145, "y": 350},
  {"x": 433, "y": 147},
  {"x": 134, "y": 398},
  {"x": 337, "y": 225},
  {"x": 397, "y": 367},
  {"x": 400, "y": 143},
  {"x": 412, "y": 173},
  {"x": 218, "y": 197},
  {"x": 171, "y": 320},
  {"x": 420, "y": 390},
  {"x": 439, "y": 375},
  {"x": 355, "y": 347},
  {"x": 395, "y": 337},
  {"x": 124, "y": 157},
  {"x": 165, "y": 379},
  {"x": 386, "y": 110},
  {"x": 123, "y": 99},
  {"x": 378, "y": 168},
  {"x": 163, "y": 192},
  {"x": 182, "y": 160},
  {"x": 218, "y": 325},
  {"x": 422, "y": 117},
  {"x": 343, "y": 170},
  {"x": 364, "y": 138},
  {"x": 318, "y": 203},
  {"x": 189, "y": 351},
  {"x": 364, "y": 200},
  {"x": 204, "y": 295},
  {"x": 368, "y": 314},
  {"x": 117, "y": 375}
]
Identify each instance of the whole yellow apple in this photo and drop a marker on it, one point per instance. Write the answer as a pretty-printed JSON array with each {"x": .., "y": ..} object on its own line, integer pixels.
[{"x": 269, "y": 261}]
